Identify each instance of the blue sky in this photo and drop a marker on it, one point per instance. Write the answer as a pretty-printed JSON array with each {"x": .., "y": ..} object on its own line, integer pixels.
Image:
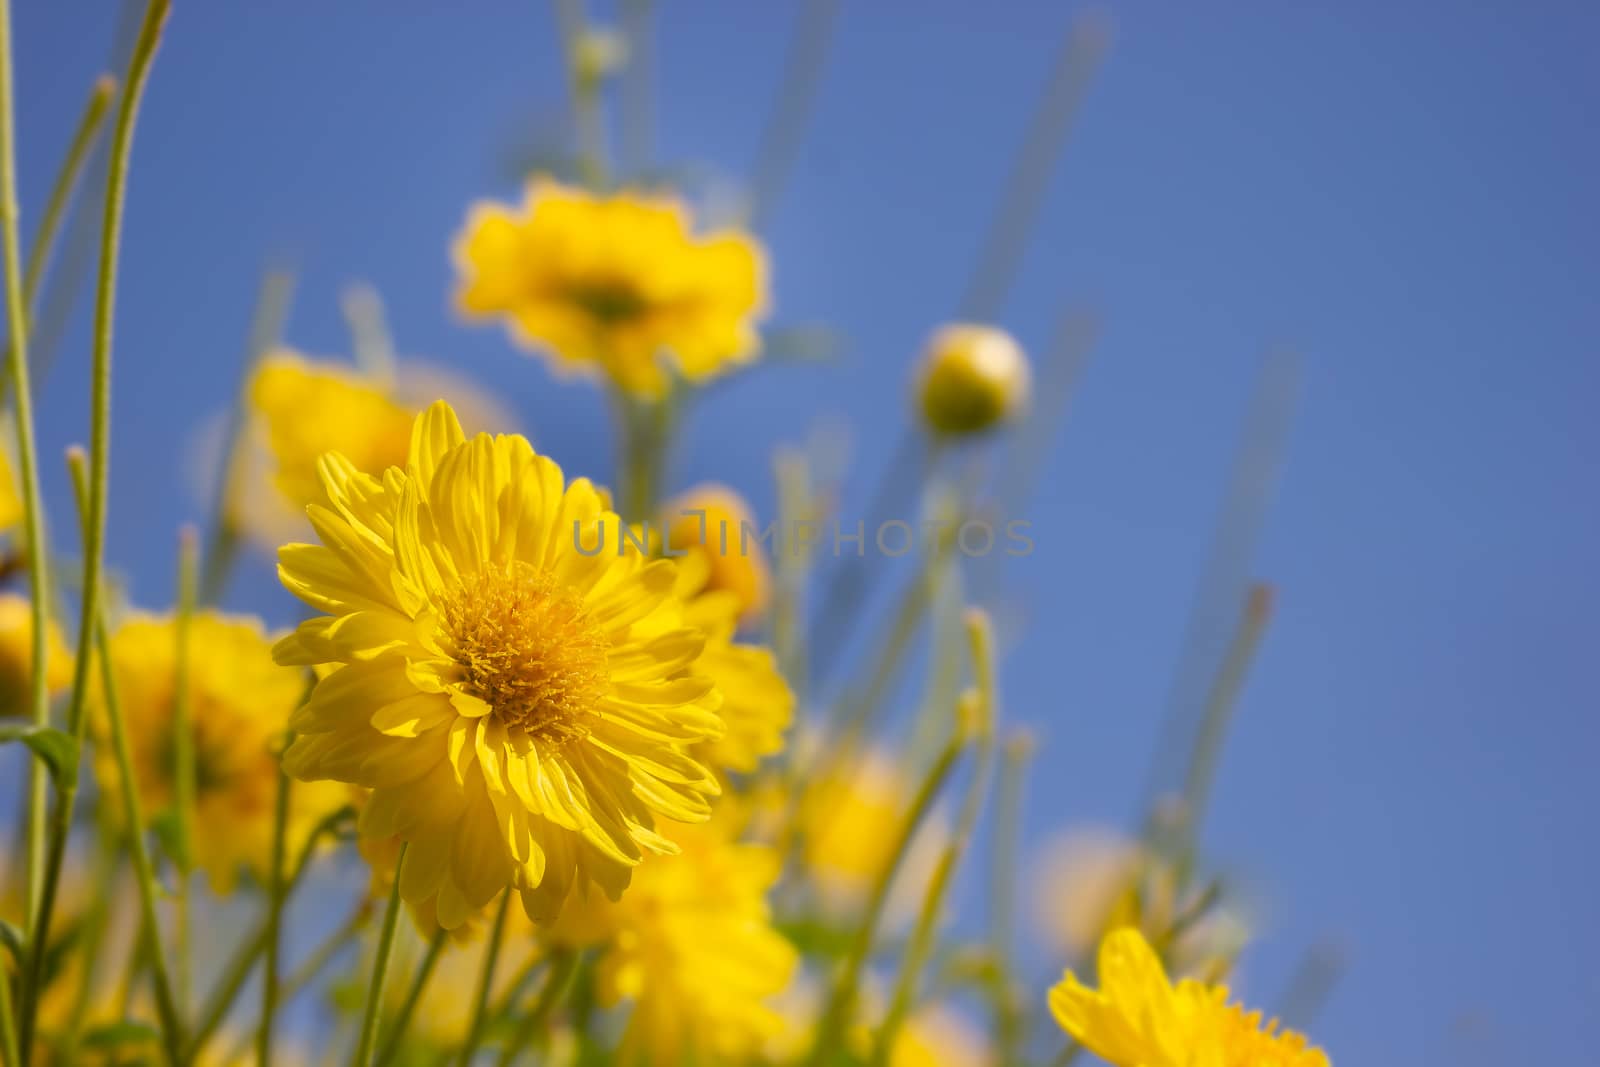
[{"x": 1403, "y": 193}]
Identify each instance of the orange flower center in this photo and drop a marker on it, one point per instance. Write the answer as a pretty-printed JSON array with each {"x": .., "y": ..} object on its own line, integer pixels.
[{"x": 529, "y": 650}]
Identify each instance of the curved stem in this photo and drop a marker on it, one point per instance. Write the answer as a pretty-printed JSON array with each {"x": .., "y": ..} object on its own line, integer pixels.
[
  {"x": 491, "y": 957},
  {"x": 380, "y": 969},
  {"x": 277, "y": 894},
  {"x": 183, "y": 762},
  {"x": 419, "y": 982},
  {"x": 91, "y": 622}
]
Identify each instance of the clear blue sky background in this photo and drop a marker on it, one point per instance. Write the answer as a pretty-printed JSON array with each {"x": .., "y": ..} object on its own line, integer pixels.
[{"x": 1403, "y": 192}]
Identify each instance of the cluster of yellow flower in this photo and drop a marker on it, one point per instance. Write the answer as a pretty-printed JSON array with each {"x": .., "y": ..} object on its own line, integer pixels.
[{"x": 573, "y": 757}]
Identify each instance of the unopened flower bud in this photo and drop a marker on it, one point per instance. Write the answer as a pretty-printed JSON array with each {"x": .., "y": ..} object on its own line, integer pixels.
[{"x": 972, "y": 379}]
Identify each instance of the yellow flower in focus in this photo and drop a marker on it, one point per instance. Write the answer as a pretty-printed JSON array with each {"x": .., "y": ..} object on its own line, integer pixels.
[
  {"x": 972, "y": 378},
  {"x": 16, "y": 657},
  {"x": 710, "y": 521},
  {"x": 615, "y": 284},
  {"x": 1137, "y": 1018},
  {"x": 300, "y": 408},
  {"x": 521, "y": 710},
  {"x": 240, "y": 703},
  {"x": 692, "y": 946}
]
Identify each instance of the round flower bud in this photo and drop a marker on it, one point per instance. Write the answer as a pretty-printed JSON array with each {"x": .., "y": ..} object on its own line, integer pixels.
[{"x": 972, "y": 378}]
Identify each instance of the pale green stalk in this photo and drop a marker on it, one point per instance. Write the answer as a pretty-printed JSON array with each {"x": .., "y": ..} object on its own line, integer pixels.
[
  {"x": 797, "y": 94},
  {"x": 183, "y": 761},
  {"x": 66, "y": 183},
  {"x": 563, "y": 965},
  {"x": 491, "y": 958},
  {"x": 1018, "y": 750},
  {"x": 419, "y": 982},
  {"x": 584, "y": 85},
  {"x": 277, "y": 892},
  {"x": 380, "y": 969},
  {"x": 33, "y": 505},
  {"x": 836, "y": 1016},
  {"x": 976, "y": 713},
  {"x": 94, "y": 509},
  {"x": 133, "y": 809},
  {"x": 8, "y": 1024}
]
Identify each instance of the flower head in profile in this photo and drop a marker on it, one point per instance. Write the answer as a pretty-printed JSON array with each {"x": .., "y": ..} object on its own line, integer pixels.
[
  {"x": 1138, "y": 1018},
  {"x": 615, "y": 284},
  {"x": 522, "y": 710},
  {"x": 299, "y": 408},
  {"x": 16, "y": 656},
  {"x": 692, "y": 946},
  {"x": 716, "y": 524},
  {"x": 239, "y": 705}
]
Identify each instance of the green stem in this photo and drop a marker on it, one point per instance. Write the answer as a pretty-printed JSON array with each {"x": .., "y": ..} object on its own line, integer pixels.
[
  {"x": 183, "y": 761},
  {"x": 976, "y": 714},
  {"x": 94, "y": 930},
  {"x": 93, "y": 510},
  {"x": 491, "y": 958},
  {"x": 646, "y": 428},
  {"x": 841, "y": 1003},
  {"x": 380, "y": 969},
  {"x": 781, "y": 137},
  {"x": 144, "y": 873},
  {"x": 563, "y": 965},
  {"x": 33, "y": 505},
  {"x": 8, "y": 1023},
  {"x": 584, "y": 85},
  {"x": 1003, "y": 896},
  {"x": 278, "y": 891},
  {"x": 43, "y": 246},
  {"x": 419, "y": 982},
  {"x": 222, "y": 543}
]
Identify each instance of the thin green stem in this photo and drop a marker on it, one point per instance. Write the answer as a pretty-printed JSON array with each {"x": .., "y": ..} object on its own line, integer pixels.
[
  {"x": 419, "y": 982},
  {"x": 1018, "y": 750},
  {"x": 841, "y": 1004},
  {"x": 637, "y": 111},
  {"x": 318, "y": 958},
  {"x": 277, "y": 893},
  {"x": 646, "y": 429},
  {"x": 8, "y": 1023},
  {"x": 94, "y": 508},
  {"x": 94, "y": 930},
  {"x": 781, "y": 137},
  {"x": 183, "y": 761},
  {"x": 43, "y": 245},
  {"x": 222, "y": 542},
  {"x": 563, "y": 966},
  {"x": 380, "y": 969},
  {"x": 133, "y": 810},
  {"x": 976, "y": 714},
  {"x": 588, "y": 123},
  {"x": 491, "y": 959},
  {"x": 33, "y": 505}
]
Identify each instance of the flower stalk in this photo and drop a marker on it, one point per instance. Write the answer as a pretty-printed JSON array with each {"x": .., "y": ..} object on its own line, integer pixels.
[{"x": 380, "y": 969}]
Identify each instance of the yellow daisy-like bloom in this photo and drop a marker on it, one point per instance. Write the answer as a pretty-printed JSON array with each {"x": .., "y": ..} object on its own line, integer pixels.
[
  {"x": 522, "y": 710},
  {"x": 1137, "y": 1018},
  {"x": 240, "y": 703},
  {"x": 16, "y": 657},
  {"x": 300, "y": 408},
  {"x": 710, "y": 521},
  {"x": 614, "y": 283},
  {"x": 692, "y": 946}
]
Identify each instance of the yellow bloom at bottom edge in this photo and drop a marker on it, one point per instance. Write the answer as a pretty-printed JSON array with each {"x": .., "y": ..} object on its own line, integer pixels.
[{"x": 1138, "y": 1018}]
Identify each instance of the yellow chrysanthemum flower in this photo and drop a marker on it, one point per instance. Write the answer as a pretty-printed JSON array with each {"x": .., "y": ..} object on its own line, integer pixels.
[
  {"x": 715, "y": 523},
  {"x": 615, "y": 284},
  {"x": 240, "y": 703},
  {"x": 300, "y": 408},
  {"x": 16, "y": 656},
  {"x": 522, "y": 710},
  {"x": 1137, "y": 1018},
  {"x": 692, "y": 946}
]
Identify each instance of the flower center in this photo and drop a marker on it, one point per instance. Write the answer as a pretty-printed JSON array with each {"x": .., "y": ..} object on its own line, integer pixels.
[
  {"x": 608, "y": 303},
  {"x": 528, "y": 649}
]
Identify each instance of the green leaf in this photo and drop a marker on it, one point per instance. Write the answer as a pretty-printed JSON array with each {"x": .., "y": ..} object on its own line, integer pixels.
[
  {"x": 58, "y": 750},
  {"x": 11, "y": 937},
  {"x": 121, "y": 1035}
]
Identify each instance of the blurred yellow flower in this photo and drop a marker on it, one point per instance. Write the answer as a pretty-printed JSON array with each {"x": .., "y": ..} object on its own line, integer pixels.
[
  {"x": 240, "y": 703},
  {"x": 16, "y": 656},
  {"x": 1088, "y": 884},
  {"x": 1137, "y": 1018},
  {"x": 709, "y": 521},
  {"x": 614, "y": 284},
  {"x": 300, "y": 408},
  {"x": 692, "y": 946},
  {"x": 849, "y": 818},
  {"x": 972, "y": 378},
  {"x": 11, "y": 509},
  {"x": 522, "y": 709},
  {"x": 938, "y": 1036}
]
